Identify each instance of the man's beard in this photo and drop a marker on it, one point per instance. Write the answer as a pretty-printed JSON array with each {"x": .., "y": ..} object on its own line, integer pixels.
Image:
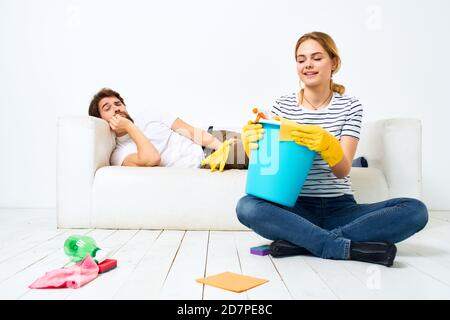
[{"x": 125, "y": 115}]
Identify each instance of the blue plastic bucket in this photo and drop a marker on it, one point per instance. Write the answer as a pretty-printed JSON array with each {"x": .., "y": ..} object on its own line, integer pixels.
[{"x": 278, "y": 169}]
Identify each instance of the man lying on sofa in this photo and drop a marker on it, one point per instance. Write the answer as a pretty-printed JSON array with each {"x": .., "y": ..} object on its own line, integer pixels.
[{"x": 159, "y": 139}]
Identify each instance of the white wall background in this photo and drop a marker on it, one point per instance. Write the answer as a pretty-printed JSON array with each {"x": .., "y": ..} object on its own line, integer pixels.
[{"x": 210, "y": 62}]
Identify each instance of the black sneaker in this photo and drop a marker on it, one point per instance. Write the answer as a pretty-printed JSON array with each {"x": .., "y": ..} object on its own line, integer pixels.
[
  {"x": 283, "y": 248},
  {"x": 382, "y": 252}
]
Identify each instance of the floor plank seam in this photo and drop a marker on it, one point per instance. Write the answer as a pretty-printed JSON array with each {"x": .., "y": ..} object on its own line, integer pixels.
[
  {"x": 281, "y": 277},
  {"x": 157, "y": 237},
  {"x": 427, "y": 274},
  {"x": 239, "y": 260},
  {"x": 174, "y": 257},
  {"x": 206, "y": 264},
  {"x": 117, "y": 249},
  {"x": 322, "y": 279},
  {"x": 137, "y": 264},
  {"x": 31, "y": 248}
]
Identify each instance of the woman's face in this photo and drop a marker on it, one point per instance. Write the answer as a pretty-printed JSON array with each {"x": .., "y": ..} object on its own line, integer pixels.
[{"x": 314, "y": 65}]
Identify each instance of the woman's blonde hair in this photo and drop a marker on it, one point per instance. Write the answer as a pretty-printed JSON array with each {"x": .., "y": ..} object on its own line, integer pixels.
[{"x": 330, "y": 47}]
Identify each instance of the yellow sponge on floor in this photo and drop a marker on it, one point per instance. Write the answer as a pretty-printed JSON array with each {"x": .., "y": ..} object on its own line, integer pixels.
[{"x": 232, "y": 281}]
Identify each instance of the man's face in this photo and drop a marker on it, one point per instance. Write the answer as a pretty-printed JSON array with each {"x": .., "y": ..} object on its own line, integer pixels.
[{"x": 111, "y": 106}]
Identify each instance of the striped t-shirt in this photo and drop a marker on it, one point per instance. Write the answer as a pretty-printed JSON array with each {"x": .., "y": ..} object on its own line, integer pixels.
[{"x": 342, "y": 117}]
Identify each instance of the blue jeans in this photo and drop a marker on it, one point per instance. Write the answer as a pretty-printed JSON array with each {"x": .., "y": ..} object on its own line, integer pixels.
[{"x": 325, "y": 226}]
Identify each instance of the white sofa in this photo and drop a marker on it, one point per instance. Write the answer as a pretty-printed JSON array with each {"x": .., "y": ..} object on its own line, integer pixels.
[{"x": 93, "y": 194}]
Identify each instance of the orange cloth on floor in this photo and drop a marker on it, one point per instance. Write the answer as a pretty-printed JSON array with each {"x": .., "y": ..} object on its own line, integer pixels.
[{"x": 232, "y": 281}]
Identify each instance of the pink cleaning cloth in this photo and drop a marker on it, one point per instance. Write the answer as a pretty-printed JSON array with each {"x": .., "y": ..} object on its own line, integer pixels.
[{"x": 71, "y": 277}]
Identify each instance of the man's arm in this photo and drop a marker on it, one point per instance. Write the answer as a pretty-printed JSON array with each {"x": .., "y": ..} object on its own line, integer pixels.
[
  {"x": 133, "y": 160},
  {"x": 197, "y": 135},
  {"x": 147, "y": 155}
]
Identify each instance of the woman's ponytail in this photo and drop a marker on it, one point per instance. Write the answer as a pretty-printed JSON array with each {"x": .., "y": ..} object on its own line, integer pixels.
[{"x": 339, "y": 88}]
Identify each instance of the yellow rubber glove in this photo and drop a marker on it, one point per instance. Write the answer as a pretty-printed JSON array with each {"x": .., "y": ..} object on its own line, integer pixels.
[
  {"x": 251, "y": 133},
  {"x": 219, "y": 157},
  {"x": 320, "y": 140}
]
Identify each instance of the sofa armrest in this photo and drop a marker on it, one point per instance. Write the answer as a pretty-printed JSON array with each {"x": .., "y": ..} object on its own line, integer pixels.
[
  {"x": 402, "y": 160},
  {"x": 394, "y": 146},
  {"x": 84, "y": 145}
]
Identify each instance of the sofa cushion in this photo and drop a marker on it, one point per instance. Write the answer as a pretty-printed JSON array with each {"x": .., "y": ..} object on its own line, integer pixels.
[
  {"x": 194, "y": 199},
  {"x": 167, "y": 198}
]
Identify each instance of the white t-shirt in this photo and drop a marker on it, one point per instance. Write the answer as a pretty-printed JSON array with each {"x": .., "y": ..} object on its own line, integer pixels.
[{"x": 175, "y": 150}]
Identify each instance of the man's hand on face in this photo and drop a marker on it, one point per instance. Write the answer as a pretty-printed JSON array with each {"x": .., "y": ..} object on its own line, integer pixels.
[{"x": 120, "y": 124}]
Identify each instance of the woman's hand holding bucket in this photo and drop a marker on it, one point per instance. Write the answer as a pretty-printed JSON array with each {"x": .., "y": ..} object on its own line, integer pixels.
[
  {"x": 318, "y": 139},
  {"x": 251, "y": 133}
]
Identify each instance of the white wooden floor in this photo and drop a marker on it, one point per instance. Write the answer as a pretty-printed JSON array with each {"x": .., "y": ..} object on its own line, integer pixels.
[{"x": 160, "y": 264}]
